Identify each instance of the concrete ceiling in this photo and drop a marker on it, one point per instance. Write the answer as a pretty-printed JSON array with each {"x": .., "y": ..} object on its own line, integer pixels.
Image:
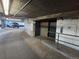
[{"x": 37, "y": 8}]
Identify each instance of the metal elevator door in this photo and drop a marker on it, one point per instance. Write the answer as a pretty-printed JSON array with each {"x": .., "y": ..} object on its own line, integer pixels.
[
  {"x": 37, "y": 28},
  {"x": 52, "y": 29}
]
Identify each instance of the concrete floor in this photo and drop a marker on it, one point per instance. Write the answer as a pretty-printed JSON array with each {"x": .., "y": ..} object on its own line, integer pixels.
[{"x": 13, "y": 46}]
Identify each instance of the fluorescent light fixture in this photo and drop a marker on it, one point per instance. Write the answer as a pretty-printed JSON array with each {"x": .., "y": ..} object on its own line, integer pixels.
[{"x": 6, "y": 6}]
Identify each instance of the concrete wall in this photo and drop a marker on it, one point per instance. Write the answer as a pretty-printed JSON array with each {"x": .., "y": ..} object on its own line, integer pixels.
[
  {"x": 29, "y": 27},
  {"x": 44, "y": 29},
  {"x": 71, "y": 27}
]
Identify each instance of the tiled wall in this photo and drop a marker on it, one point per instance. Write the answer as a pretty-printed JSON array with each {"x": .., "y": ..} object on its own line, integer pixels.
[{"x": 70, "y": 27}]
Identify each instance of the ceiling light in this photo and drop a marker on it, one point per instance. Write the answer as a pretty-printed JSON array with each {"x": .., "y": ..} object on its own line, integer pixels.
[{"x": 6, "y": 6}]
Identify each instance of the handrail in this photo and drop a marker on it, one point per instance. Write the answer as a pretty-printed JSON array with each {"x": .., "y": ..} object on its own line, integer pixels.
[
  {"x": 69, "y": 43},
  {"x": 65, "y": 34},
  {"x": 65, "y": 41}
]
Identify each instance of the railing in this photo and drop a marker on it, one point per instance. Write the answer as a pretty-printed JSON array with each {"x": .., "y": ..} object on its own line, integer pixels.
[{"x": 57, "y": 40}]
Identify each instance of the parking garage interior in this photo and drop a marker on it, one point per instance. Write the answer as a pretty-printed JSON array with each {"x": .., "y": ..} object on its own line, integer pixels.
[{"x": 39, "y": 29}]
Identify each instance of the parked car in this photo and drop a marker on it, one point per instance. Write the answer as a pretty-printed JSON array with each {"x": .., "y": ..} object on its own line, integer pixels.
[{"x": 15, "y": 25}]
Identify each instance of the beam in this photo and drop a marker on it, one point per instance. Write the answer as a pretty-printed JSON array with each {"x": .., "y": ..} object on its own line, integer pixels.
[{"x": 23, "y": 7}]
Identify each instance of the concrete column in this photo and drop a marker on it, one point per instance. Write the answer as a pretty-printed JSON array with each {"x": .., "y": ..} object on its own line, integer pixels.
[{"x": 3, "y": 23}]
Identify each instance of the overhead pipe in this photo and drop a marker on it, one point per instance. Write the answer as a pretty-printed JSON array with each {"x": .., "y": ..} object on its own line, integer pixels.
[{"x": 22, "y": 7}]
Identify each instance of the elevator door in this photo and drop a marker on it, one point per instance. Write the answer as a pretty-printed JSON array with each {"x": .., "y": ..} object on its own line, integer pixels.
[
  {"x": 37, "y": 28},
  {"x": 52, "y": 29}
]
